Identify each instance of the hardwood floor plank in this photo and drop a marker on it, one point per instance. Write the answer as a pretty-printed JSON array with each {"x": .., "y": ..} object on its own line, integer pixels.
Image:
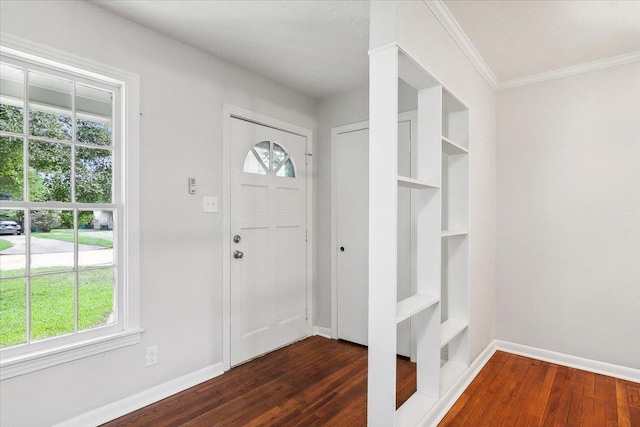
[
  {"x": 588, "y": 400},
  {"x": 529, "y": 382},
  {"x": 457, "y": 408},
  {"x": 562, "y": 413},
  {"x": 481, "y": 414},
  {"x": 513, "y": 387},
  {"x": 536, "y": 404},
  {"x": 484, "y": 378},
  {"x": 622, "y": 404},
  {"x": 406, "y": 383},
  {"x": 553, "y": 402},
  {"x": 546, "y": 394},
  {"x": 600, "y": 404},
  {"x": 574, "y": 416},
  {"x": 633, "y": 395},
  {"x": 323, "y": 382},
  {"x": 611, "y": 410}
]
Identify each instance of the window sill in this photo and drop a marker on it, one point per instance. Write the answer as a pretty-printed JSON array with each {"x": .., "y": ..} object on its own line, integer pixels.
[{"x": 24, "y": 364}]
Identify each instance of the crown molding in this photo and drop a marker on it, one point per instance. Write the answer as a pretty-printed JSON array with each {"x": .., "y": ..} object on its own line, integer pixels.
[
  {"x": 447, "y": 20},
  {"x": 571, "y": 71}
]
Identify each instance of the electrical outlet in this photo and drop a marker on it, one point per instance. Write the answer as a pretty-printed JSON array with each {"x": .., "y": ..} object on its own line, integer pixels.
[{"x": 152, "y": 355}]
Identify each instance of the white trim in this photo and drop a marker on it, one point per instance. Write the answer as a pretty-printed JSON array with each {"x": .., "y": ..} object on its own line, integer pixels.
[
  {"x": 127, "y": 181},
  {"x": 381, "y": 48},
  {"x": 322, "y": 331},
  {"x": 230, "y": 111},
  {"x": 60, "y": 59},
  {"x": 602, "y": 368},
  {"x": 572, "y": 70},
  {"x": 226, "y": 237},
  {"x": 446, "y": 402},
  {"x": 446, "y": 18},
  {"x": 136, "y": 401},
  {"x": 450, "y": 24},
  {"x": 54, "y": 356}
]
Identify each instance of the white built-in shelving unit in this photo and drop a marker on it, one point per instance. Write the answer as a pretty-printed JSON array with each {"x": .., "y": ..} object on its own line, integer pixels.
[
  {"x": 454, "y": 292},
  {"x": 439, "y": 183}
]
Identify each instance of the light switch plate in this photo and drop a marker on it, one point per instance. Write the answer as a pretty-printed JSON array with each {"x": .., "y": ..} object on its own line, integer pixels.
[{"x": 209, "y": 204}]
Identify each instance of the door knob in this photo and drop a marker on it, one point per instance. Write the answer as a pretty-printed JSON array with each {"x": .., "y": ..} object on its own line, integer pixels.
[
  {"x": 341, "y": 248},
  {"x": 238, "y": 254}
]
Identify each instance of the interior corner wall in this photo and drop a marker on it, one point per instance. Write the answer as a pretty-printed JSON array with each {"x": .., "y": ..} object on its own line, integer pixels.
[
  {"x": 427, "y": 41},
  {"x": 182, "y": 95},
  {"x": 568, "y": 208}
]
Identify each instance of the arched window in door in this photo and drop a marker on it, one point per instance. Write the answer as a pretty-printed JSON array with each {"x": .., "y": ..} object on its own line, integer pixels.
[{"x": 268, "y": 157}]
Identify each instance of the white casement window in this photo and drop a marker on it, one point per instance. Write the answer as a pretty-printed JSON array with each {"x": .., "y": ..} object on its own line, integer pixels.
[{"x": 68, "y": 209}]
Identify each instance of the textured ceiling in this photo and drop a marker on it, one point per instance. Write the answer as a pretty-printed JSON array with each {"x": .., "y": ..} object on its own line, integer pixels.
[
  {"x": 315, "y": 47},
  {"x": 521, "y": 38},
  {"x": 319, "y": 47}
]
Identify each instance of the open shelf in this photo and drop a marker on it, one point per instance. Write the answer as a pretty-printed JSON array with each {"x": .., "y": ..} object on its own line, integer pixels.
[
  {"x": 404, "y": 181},
  {"x": 450, "y": 329},
  {"x": 450, "y": 372},
  {"x": 414, "y": 409},
  {"x": 412, "y": 305},
  {"x": 451, "y": 148},
  {"x": 450, "y": 233},
  {"x": 413, "y": 73}
]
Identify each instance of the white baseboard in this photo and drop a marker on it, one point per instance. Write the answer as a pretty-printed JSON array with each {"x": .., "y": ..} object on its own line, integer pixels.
[
  {"x": 321, "y": 331},
  {"x": 129, "y": 404},
  {"x": 570, "y": 361},
  {"x": 432, "y": 418},
  {"x": 446, "y": 402}
]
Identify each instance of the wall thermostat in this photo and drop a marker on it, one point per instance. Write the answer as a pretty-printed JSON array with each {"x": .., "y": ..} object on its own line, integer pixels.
[{"x": 192, "y": 186}]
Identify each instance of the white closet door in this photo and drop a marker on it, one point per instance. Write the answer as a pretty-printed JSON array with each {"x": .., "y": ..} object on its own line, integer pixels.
[{"x": 352, "y": 210}]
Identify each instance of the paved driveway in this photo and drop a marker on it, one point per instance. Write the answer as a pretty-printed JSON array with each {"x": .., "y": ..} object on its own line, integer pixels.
[
  {"x": 41, "y": 246},
  {"x": 51, "y": 253}
]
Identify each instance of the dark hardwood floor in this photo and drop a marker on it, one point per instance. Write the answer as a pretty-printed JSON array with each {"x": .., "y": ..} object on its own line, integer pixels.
[
  {"x": 322, "y": 382},
  {"x": 518, "y": 391},
  {"x": 314, "y": 382}
]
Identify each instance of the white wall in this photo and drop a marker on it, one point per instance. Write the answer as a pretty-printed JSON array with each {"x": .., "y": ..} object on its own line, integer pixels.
[
  {"x": 182, "y": 92},
  {"x": 568, "y": 173},
  {"x": 430, "y": 44}
]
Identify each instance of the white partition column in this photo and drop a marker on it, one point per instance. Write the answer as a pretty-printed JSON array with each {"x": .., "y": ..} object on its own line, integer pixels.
[
  {"x": 383, "y": 213},
  {"x": 427, "y": 211},
  {"x": 439, "y": 181}
]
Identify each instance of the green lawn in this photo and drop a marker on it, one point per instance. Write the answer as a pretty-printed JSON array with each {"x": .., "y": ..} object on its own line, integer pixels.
[
  {"x": 52, "y": 305},
  {"x": 4, "y": 245},
  {"x": 84, "y": 237}
]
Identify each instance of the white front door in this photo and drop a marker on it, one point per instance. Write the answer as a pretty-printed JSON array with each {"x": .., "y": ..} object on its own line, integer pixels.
[
  {"x": 352, "y": 228},
  {"x": 268, "y": 249}
]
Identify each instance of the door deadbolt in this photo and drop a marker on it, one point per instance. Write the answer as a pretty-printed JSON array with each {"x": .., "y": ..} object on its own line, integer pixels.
[
  {"x": 238, "y": 254},
  {"x": 237, "y": 238},
  {"x": 341, "y": 248}
]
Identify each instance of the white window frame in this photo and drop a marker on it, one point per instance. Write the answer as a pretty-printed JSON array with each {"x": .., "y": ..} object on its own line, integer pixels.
[{"x": 22, "y": 359}]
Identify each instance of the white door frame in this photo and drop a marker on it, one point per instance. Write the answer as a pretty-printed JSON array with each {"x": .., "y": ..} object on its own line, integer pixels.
[
  {"x": 406, "y": 116},
  {"x": 229, "y": 112}
]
